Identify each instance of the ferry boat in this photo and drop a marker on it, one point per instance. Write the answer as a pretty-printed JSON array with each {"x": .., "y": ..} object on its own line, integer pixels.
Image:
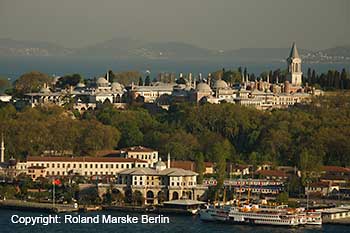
[
  {"x": 215, "y": 214},
  {"x": 313, "y": 218},
  {"x": 252, "y": 214}
]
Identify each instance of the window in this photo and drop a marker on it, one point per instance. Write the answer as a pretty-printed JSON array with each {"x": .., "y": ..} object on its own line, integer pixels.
[
  {"x": 112, "y": 166},
  {"x": 96, "y": 165},
  {"x": 53, "y": 165},
  {"x": 63, "y": 165},
  {"x": 101, "y": 166}
]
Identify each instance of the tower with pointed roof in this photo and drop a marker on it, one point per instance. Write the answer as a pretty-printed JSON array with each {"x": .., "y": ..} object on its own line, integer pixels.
[{"x": 294, "y": 67}]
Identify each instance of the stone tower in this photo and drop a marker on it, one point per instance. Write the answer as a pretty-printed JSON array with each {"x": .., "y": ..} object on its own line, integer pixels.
[{"x": 294, "y": 67}]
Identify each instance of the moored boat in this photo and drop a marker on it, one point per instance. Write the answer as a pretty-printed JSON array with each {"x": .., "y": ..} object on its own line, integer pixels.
[
  {"x": 252, "y": 214},
  {"x": 214, "y": 214}
]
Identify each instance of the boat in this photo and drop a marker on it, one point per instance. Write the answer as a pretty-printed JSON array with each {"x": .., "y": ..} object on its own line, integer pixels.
[
  {"x": 313, "y": 218},
  {"x": 252, "y": 214},
  {"x": 215, "y": 214}
]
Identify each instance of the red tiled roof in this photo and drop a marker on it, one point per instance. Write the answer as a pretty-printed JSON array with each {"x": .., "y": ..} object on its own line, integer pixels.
[
  {"x": 208, "y": 164},
  {"x": 83, "y": 159},
  {"x": 275, "y": 173},
  {"x": 240, "y": 166},
  {"x": 319, "y": 184},
  {"x": 107, "y": 153},
  {"x": 334, "y": 169},
  {"x": 186, "y": 165},
  {"x": 137, "y": 149}
]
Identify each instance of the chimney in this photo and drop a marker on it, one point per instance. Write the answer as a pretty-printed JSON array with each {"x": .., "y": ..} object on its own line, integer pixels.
[{"x": 168, "y": 160}]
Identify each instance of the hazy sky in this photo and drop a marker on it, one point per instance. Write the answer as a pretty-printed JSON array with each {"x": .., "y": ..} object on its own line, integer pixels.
[{"x": 219, "y": 24}]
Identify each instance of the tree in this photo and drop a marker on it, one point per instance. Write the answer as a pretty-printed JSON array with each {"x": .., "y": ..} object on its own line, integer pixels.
[
  {"x": 147, "y": 80},
  {"x": 282, "y": 198},
  {"x": 220, "y": 152},
  {"x": 4, "y": 83},
  {"x": 137, "y": 198},
  {"x": 200, "y": 167},
  {"x": 125, "y": 78},
  {"x": 31, "y": 82},
  {"x": 140, "y": 81},
  {"x": 309, "y": 75},
  {"x": 69, "y": 80},
  {"x": 245, "y": 72}
]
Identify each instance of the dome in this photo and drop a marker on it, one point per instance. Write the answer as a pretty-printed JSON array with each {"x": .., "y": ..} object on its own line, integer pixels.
[
  {"x": 117, "y": 86},
  {"x": 101, "y": 81},
  {"x": 220, "y": 84},
  {"x": 160, "y": 165},
  {"x": 81, "y": 85},
  {"x": 203, "y": 87},
  {"x": 45, "y": 89}
]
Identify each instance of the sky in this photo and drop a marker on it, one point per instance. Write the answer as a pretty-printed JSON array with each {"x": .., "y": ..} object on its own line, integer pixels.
[{"x": 214, "y": 24}]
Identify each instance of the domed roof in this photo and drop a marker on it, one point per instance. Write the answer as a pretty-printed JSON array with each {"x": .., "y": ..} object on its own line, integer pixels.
[
  {"x": 45, "y": 89},
  {"x": 80, "y": 85},
  {"x": 117, "y": 86},
  {"x": 203, "y": 87},
  {"x": 220, "y": 84},
  {"x": 101, "y": 80},
  {"x": 160, "y": 163}
]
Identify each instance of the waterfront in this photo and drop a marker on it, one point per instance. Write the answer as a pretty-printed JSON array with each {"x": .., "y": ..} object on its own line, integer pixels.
[
  {"x": 177, "y": 224},
  {"x": 88, "y": 67}
]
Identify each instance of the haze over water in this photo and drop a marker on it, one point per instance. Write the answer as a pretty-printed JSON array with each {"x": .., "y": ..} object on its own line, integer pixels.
[{"x": 90, "y": 67}]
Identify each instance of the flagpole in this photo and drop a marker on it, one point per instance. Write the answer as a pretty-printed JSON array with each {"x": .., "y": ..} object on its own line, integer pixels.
[{"x": 53, "y": 194}]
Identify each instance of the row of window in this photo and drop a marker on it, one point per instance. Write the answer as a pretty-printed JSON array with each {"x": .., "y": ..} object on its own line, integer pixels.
[
  {"x": 63, "y": 173},
  {"x": 111, "y": 166},
  {"x": 144, "y": 156}
]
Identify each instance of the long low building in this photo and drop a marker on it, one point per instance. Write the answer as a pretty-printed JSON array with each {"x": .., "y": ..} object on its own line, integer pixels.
[{"x": 86, "y": 166}]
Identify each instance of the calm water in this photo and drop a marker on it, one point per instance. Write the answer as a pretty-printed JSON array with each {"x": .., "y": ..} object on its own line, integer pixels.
[
  {"x": 180, "y": 224},
  {"x": 13, "y": 67}
]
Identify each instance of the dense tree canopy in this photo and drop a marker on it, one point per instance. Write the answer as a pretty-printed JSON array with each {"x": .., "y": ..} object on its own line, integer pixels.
[
  {"x": 69, "y": 80},
  {"x": 31, "y": 82},
  {"x": 305, "y": 136}
]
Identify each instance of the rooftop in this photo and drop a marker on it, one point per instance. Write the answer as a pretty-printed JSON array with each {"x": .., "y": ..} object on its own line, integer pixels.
[
  {"x": 275, "y": 173},
  {"x": 83, "y": 159},
  {"x": 334, "y": 169}
]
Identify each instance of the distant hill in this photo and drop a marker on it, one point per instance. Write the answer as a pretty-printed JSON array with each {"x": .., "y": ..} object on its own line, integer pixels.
[
  {"x": 338, "y": 51},
  {"x": 128, "y": 48},
  {"x": 131, "y": 48},
  {"x": 116, "y": 47},
  {"x": 10, "y": 47}
]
